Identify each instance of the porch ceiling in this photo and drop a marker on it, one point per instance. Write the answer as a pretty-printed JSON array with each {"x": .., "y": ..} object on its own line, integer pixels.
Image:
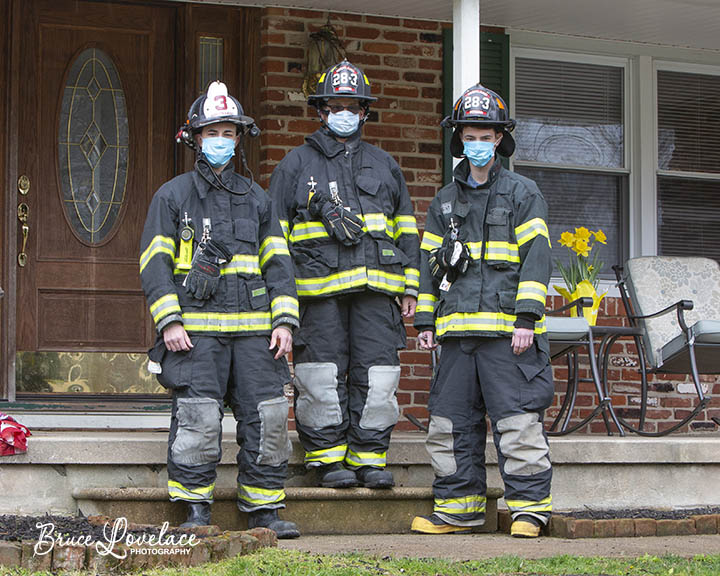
[{"x": 685, "y": 23}]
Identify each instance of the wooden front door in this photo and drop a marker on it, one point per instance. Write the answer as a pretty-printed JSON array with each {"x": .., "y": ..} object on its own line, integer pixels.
[{"x": 97, "y": 114}]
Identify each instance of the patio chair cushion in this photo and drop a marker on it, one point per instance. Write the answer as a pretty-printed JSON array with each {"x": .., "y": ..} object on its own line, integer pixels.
[
  {"x": 656, "y": 282},
  {"x": 705, "y": 332},
  {"x": 566, "y": 328}
]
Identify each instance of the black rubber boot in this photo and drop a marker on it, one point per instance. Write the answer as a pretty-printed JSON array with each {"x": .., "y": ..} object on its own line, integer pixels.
[
  {"x": 269, "y": 519},
  {"x": 336, "y": 476},
  {"x": 375, "y": 477},
  {"x": 198, "y": 515}
]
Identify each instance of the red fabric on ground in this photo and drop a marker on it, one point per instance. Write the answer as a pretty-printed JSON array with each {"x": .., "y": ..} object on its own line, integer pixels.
[{"x": 13, "y": 436}]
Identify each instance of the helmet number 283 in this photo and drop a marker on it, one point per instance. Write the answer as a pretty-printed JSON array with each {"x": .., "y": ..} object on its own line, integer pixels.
[
  {"x": 476, "y": 102},
  {"x": 344, "y": 78}
]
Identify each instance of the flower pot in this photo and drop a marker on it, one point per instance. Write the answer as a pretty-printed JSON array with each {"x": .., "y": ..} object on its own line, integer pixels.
[{"x": 583, "y": 290}]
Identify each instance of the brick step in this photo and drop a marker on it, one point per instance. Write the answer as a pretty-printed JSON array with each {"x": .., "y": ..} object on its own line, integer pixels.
[{"x": 316, "y": 510}]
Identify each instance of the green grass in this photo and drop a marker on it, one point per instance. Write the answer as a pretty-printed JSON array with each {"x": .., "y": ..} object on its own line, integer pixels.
[{"x": 274, "y": 562}]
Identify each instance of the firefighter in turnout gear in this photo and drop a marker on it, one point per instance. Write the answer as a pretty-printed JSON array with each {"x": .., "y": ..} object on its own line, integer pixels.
[
  {"x": 353, "y": 237},
  {"x": 486, "y": 263},
  {"x": 217, "y": 275}
]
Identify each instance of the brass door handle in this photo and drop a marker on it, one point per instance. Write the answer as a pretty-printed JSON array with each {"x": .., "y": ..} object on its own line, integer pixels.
[{"x": 23, "y": 213}]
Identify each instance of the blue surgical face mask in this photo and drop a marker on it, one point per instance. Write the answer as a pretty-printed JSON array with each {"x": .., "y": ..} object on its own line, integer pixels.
[
  {"x": 478, "y": 152},
  {"x": 344, "y": 123},
  {"x": 218, "y": 150}
]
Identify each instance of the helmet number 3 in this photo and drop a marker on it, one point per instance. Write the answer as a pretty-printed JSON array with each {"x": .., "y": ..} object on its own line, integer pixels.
[
  {"x": 476, "y": 102},
  {"x": 221, "y": 102}
]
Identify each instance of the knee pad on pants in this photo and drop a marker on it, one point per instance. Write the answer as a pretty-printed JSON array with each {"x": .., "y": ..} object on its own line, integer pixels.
[
  {"x": 317, "y": 405},
  {"x": 197, "y": 440},
  {"x": 275, "y": 445},
  {"x": 523, "y": 445},
  {"x": 381, "y": 408},
  {"x": 440, "y": 446}
]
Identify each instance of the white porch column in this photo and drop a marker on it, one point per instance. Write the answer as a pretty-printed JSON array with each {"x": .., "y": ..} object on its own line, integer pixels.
[{"x": 466, "y": 45}]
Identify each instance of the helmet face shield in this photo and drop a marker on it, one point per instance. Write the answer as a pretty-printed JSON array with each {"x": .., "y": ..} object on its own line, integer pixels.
[{"x": 479, "y": 106}]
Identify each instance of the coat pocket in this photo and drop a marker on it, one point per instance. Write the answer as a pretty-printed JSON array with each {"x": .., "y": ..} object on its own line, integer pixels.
[{"x": 257, "y": 294}]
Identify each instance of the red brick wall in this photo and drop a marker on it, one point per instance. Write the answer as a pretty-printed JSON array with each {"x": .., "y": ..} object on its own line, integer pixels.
[{"x": 403, "y": 60}]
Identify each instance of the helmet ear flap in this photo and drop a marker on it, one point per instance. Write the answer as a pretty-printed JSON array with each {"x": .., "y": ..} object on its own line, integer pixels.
[{"x": 456, "y": 145}]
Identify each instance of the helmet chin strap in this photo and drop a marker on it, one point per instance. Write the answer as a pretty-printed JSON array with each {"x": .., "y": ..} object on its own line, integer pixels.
[{"x": 204, "y": 168}]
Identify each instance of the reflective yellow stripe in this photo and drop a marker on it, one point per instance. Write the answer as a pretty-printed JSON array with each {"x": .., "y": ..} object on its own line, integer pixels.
[
  {"x": 307, "y": 231},
  {"x": 284, "y": 305},
  {"x": 404, "y": 225},
  {"x": 226, "y": 322},
  {"x": 328, "y": 455},
  {"x": 530, "y": 229},
  {"x": 378, "y": 222},
  {"x": 158, "y": 245},
  {"x": 505, "y": 251},
  {"x": 386, "y": 281},
  {"x": 179, "y": 492},
  {"x": 529, "y": 290},
  {"x": 332, "y": 283},
  {"x": 260, "y": 496},
  {"x": 164, "y": 306},
  {"x": 426, "y": 303},
  {"x": 481, "y": 322},
  {"x": 430, "y": 241},
  {"x": 464, "y": 505},
  {"x": 285, "y": 229},
  {"x": 377, "y": 459},
  {"x": 242, "y": 264},
  {"x": 544, "y": 505},
  {"x": 502, "y": 251},
  {"x": 272, "y": 245},
  {"x": 412, "y": 277}
]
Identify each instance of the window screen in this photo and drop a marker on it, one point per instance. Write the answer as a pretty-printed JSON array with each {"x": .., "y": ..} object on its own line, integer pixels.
[
  {"x": 688, "y": 143},
  {"x": 571, "y": 140}
]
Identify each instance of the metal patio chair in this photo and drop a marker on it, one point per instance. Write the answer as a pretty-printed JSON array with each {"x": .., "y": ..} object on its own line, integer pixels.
[
  {"x": 567, "y": 337},
  {"x": 675, "y": 301}
]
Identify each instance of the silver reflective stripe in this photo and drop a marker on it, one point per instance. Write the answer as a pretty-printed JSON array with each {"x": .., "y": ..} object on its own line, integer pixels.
[
  {"x": 381, "y": 407},
  {"x": 226, "y": 322},
  {"x": 440, "y": 446},
  {"x": 523, "y": 444}
]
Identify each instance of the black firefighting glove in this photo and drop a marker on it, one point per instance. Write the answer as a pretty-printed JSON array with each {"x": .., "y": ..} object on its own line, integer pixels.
[
  {"x": 452, "y": 258},
  {"x": 340, "y": 222},
  {"x": 204, "y": 276}
]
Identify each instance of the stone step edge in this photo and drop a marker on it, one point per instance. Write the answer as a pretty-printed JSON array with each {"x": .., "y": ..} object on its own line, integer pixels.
[
  {"x": 572, "y": 528},
  {"x": 74, "y": 558},
  {"x": 292, "y": 493}
]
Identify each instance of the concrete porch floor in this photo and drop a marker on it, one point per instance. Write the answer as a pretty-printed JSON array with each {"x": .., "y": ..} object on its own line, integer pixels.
[{"x": 61, "y": 468}]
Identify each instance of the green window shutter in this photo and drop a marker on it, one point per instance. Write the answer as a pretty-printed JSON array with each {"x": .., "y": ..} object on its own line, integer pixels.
[{"x": 494, "y": 74}]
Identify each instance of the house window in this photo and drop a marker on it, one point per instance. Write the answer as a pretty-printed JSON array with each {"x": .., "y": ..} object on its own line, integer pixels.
[
  {"x": 571, "y": 140},
  {"x": 688, "y": 163}
]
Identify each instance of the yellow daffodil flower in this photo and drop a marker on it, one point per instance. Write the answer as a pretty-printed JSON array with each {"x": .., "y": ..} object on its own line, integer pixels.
[
  {"x": 582, "y": 233},
  {"x": 600, "y": 237},
  {"x": 567, "y": 239},
  {"x": 581, "y": 247}
]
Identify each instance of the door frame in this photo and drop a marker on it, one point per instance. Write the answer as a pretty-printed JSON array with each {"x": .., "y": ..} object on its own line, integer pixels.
[
  {"x": 245, "y": 34},
  {"x": 9, "y": 138}
]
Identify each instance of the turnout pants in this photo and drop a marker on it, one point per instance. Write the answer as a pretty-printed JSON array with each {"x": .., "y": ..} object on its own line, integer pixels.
[
  {"x": 476, "y": 376},
  {"x": 243, "y": 371},
  {"x": 346, "y": 375}
]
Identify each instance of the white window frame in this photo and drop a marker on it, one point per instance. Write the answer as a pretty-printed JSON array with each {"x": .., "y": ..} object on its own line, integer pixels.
[{"x": 605, "y": 285}]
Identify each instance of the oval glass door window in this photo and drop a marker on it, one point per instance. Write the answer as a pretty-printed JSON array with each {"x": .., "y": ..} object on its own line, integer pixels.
[{"x": 93, "y": 147}]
